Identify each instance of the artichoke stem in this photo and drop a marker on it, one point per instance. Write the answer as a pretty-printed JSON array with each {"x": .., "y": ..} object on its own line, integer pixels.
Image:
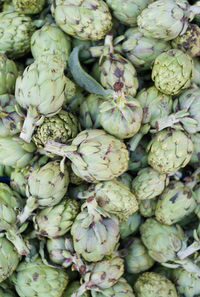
[
  {"x": 194, "y": 247},
  {"x": 170, "y": 120},
  {"x": 195, "y": 8},
  {"x": 135, "y": 140},
  {"x": 56, "y": 148},
  {"x": 29, "y": 125},
  {"x": 80, "y": 291},
  {"x": 31, "y": 205},
  {"x": 17, "y": 241}
]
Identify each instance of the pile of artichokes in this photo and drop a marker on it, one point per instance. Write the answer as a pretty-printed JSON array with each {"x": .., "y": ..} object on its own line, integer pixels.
[{"x": 99, "y": 148}]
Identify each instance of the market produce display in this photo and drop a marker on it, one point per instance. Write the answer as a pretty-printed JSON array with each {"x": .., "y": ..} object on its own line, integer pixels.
[{"x": 99, "y": 148}]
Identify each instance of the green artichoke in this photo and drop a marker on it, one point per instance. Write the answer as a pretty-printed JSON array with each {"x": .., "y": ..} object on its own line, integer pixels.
[
  {"x": 56, "y": 220},
  {"x": 28, "y": 6},
  {"x": 10, "y": 121},
  {"x": 187, "y": 283},
  {"x": 120, "y": 289},
  {"x": 15, "y": 33},
  {"x": 161, "y": 241},
  {"x": 166, "y": 19},
  {"x": 36, "y": 279},
  {"x": 95, "y": 155},
  {"x": 83, "y": 19},
  {"x": 95, "y": 233},
  {"x": 127, "y": 11},
  {"x": 121, "y": 116},
  {"x": 15, "y": 152},
  {"x": 9, "y": 259},
  {"x": 46, "y": 187},
  {"x": 147, "y": 207},
  {"x": 130, "y": 226},
  {"x": 137, "y": 259},
  {"x": 151, "y": 284},
  {"x": 189, "y": 42},
  {"x": 72, "y": 287},
  {"x": 89, "y": 114},
  {"x": 175, "y": 203},
  {"x": 60, "y": 127},
  {"x": 172, "y": 71},
  {"x": 169, "y": 151},
  {"x": 141, "y": 50},
  {"x": 8, "y": 74},
  {"x": 114, "y": 197},
  {"x": 148, "y": 183},
  {"x": 50, "y": 39},
  {"x": 10, "y": 205},
  {"x": 40, "y": 90}
]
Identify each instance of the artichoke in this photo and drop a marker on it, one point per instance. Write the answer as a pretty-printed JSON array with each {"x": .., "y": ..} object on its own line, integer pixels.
[
  {"x": 50, "y": 39},
  {"x": 114, "y": 197},
  {"x": 83, "y": 19},
  {"x": 189, "y": 42},
  {"x": 10, "y": 204},
  {"x": 95, "y": 233},
  {"x": 28, "y": 6},
  {"x": 148, "y": 183},
  {"x": 166, "y": 19},
  {"x": 15, "y": 152},
  {"x": 187, "y": 283},
  {"x": 8, "y": 74},
  {"x": 40, "y": 90},
  {"x": 60, "y": 127},
  {"x": 147, "y": 207},
  {"x": 120, "y": 289},
  {"x": 56, "y": 220},
  {"x": 137, "y": 259},
  {"x": 126, "y": 12},
  {"x": 72, "y": 287},
  {"x": 121, "y": 116},
  {"x": 35, "y": 278},
  {"x": 95, "y": 155},
  {"x": 9, "y": 259},
  {"x": 161, "y": 241},
  {"x": 15, "y": 33},
  {"x": 10, "y": 121},
  {"x": 169, "y": 151},
  {"x": 151, "y": 284},
  {"x": 175, "y": 203},
  {"x": 130, "y": 226},
  {"x": 89, "y": 114},
  {"x": 141, "y": 50},
  {"x": 172, "y": 71},
  {"x": 46, "y": 187}
]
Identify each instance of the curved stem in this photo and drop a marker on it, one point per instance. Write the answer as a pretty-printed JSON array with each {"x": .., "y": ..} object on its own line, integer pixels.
[
  {"x": 30, "y": 123},
  {"x": 194, "y": 247},
  {"x": 17, "y": 241},
  {"x": 31, "y": 205}
]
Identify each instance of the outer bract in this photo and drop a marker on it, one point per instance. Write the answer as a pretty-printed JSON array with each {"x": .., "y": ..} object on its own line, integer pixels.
[
  {"x": 15, "y": 152},
  {"x": 161, "y": 241},
  {"x": 141, "y": 50},
  {"x": 73, "y": 287},
  {"x": 151, "y": 284},
  {"x": 10, "y": 121},
  {"x": 120, "y": 289},
  {"x": 138, "y": 259},
  {"x": 172, "y": 71},
  {"x": 40, "y": 90},
  {"x": 28, "y": 6},
  {"x": 169, "y": 151},
  {"x": 60, "y": 127},
  {"x": 114, "y": 197},
  {"x": 15, "y": 34},
  {"x": 8, "y": 75},
  {"x": 166, "y": 19},
  {"x": 56, "y": 220},
  {"x": 50, "y": 39},
  {"x": 127, "y": 11},
  {"x": 36, "y": 279},
  {"x": 189, "y": 42},
  {"x": 176, "y": 202},
  {"x": 46, "y": 187},
  {"x": 131, "y": 225},
  {"x": 9, "y": 258},
  {"x": 187, "y": 283},
  {"x": 121, "y": 116},
  {"x": 83, "y": 19},
  {"x": 148, "y": 183},
  {"x": 95, "y": 155},
  {"x": 95, "y": 233}
]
